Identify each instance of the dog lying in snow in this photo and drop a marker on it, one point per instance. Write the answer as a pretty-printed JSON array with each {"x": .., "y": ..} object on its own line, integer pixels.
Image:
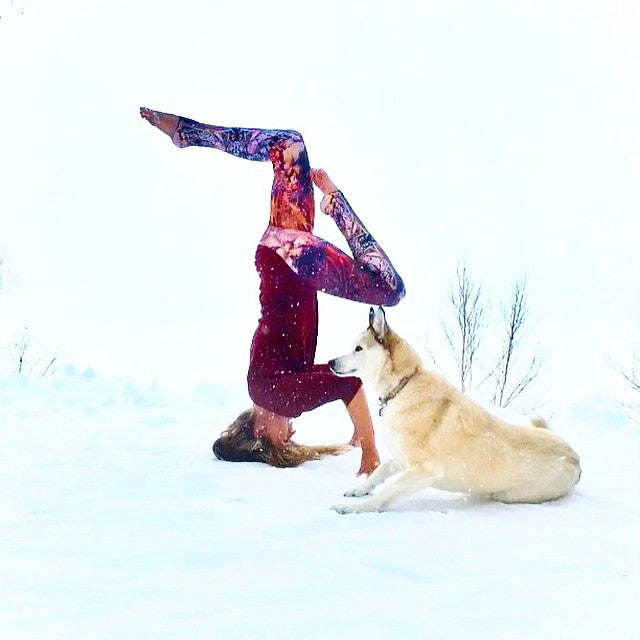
[{"x": 440, "y": 438}]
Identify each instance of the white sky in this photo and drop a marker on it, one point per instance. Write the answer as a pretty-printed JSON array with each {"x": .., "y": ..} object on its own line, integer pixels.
[{"x": 505, "y": 133}]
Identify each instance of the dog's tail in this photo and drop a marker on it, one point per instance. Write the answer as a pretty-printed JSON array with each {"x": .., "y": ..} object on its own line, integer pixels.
[{"x": 539, "y": 422}]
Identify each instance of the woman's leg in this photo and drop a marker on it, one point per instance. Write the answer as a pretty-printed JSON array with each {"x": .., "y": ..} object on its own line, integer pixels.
[
  {"x": 292, "y": 205},
  {"x": 366, "y": 250},
  {"x": 296, "y": 392},
  {"x": 369, "y": 278}
]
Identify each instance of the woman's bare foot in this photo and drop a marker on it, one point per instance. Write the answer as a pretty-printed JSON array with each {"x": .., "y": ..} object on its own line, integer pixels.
[
  {"x": 166, "y": 122},
  {"x": 323, "y": 181}
]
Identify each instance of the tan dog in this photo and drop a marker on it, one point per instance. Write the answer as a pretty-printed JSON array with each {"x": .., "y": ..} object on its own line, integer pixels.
[{"x": 440, "y": 438}]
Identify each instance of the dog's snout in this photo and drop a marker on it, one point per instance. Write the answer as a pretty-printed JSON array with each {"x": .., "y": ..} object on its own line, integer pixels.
[{"x": 332, "y": 364}]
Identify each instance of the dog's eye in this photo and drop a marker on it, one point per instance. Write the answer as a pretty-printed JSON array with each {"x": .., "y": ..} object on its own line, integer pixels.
[{"x": 358, "y": 348}]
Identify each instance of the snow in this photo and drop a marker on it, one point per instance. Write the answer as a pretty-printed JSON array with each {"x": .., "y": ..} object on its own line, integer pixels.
[{"x": 117, "y": 522}]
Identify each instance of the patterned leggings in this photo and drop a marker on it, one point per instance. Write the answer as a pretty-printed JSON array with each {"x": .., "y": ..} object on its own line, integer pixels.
[{"x": 367, "y": 277}]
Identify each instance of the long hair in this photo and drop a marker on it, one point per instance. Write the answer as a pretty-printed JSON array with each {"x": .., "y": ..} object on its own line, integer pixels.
[{"x": 238, "y": 444}]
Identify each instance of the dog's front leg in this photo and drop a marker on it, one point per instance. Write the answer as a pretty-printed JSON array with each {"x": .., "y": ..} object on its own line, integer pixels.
[
  {"x": 381, "y": 473},
  {"x": 407, "y": 482}
]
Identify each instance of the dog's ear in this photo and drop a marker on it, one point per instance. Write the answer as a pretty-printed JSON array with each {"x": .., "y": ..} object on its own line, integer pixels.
[{"x": 378, "y": 322}]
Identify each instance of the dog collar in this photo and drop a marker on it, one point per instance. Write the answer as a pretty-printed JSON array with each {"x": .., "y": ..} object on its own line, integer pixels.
[{"x": 393, "y": 393}]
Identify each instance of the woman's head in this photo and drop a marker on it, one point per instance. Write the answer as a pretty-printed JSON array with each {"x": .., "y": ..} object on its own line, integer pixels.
[{"x": 239, "y": 443}]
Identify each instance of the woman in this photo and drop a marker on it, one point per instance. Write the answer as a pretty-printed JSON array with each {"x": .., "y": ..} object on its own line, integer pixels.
[{"x": 294, "y": 265}]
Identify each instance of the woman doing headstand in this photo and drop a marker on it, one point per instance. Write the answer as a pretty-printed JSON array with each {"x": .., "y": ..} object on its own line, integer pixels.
[{"x": 294, "y": 265}]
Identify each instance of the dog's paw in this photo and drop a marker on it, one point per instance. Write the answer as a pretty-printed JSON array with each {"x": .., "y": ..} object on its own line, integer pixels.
[
  {"x": 356, "y": 492},
  {"x": 343, "y": 508},
  {"x": 356, "y": 507}
]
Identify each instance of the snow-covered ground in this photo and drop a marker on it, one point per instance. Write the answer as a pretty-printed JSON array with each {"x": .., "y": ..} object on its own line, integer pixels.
[{"x": 117, "y": 522}]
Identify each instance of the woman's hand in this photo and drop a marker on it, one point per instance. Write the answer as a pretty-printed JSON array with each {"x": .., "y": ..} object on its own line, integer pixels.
[
  {"x": 369, "y": 463},
  {"x": 370, "y": 459}
]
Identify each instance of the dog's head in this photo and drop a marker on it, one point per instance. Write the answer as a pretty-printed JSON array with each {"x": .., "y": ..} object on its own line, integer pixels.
[{"x": 370, "y": 351}]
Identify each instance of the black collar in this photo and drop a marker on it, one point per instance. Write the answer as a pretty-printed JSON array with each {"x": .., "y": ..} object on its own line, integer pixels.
[{"x": 394, "y": 392}]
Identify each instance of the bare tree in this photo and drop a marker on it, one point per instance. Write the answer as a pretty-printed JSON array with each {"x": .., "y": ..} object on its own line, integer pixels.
[
  {"x": 50, "y": 366},
  {"x": 471, "y": 340},
  {"x": 20, "y": 349},
  {"x": 464, "y": 333},
  {"x": 632, "y": 378},
  {"x": 26, "y": 365},
  {"x": 510, "y": 379}
]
